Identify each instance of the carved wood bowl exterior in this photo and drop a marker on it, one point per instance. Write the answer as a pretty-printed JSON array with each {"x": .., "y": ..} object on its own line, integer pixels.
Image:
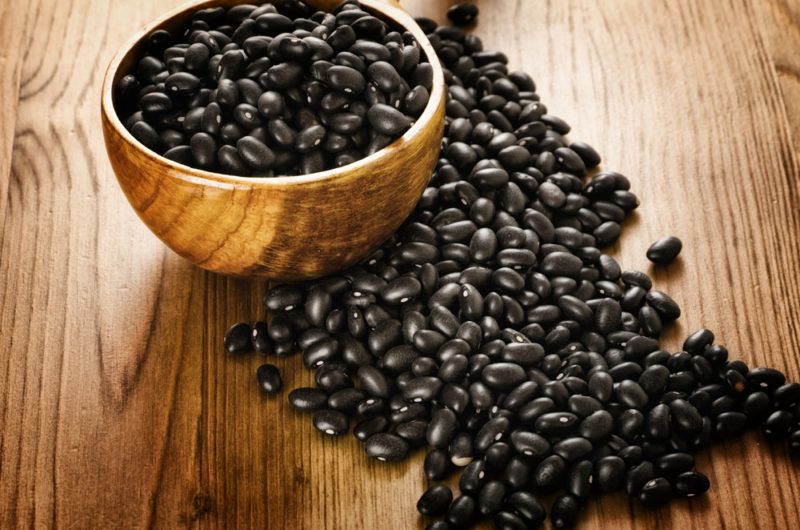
[{"x": 283, "y": 228}]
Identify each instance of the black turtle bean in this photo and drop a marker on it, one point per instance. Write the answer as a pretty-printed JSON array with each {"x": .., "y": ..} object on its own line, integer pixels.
[
  {"x": 435, "y": 500},
  {"x": 386, "y": 447},
  {"x": 269, "y": 379},
  {"x": 237, "y": 338},
  {"x": 664, "y": 250},
  {"x": 331, "y": 422}
]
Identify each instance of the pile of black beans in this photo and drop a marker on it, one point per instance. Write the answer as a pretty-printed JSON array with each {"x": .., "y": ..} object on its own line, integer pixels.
[
  {"x": 492, "y": 329},
  {"x": 275, "y": 89}
]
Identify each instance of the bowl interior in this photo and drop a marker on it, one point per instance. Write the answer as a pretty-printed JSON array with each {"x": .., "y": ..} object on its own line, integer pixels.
[{"x": 125, "y": 61}]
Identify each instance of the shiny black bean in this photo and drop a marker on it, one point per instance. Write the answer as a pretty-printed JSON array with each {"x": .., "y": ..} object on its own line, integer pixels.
[
  {"x": 373, "y": 381},
  {"x": 308, "y": 398},
  {"x": 691, "y": 484},
  {"x": 491, "y": 497},
  {"x": 237, "y": 338},
  {"x": 346, "y": 79},
  {"x": 255, "y": 153},
  {"x": 550, "y": 474},
  {"x": 366, "y": 428},
  {"x": 503, "y": 375},
  {"x": 387, "y": 120},
  {"x": 422, "y": 389},
  {"x": 386, "y": 447},
  {"x": 664, "y": 250},
  {"x": 442, "y": 428},
  {"x": 655, "y": 492},
  {"x": 778, "y": 425},
  {"x": 597, "y": 426},
  {"x": 685, "y": 417},
  {"x": 436, "y": 465},
  {"x": 331, "y": 422},
  {"x": 435, "y": 500},
  {"x": 461, "y": 511},
  {"x": 462, "y": 14},
  {"x": 665, "y": 306},
  {"x": 766, "y": 379},
  {"x": 786, "y": 396},
  {"x": 269, "y": 379}
]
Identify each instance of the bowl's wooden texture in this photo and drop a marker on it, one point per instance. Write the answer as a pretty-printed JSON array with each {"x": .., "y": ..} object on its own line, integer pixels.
[{"x": 283, "y": 228}]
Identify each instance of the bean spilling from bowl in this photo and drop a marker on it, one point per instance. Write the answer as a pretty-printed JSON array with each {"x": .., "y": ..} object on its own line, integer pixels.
[
  {"x": 492, "y": 330},
  {"x": 275, "y": 89}
]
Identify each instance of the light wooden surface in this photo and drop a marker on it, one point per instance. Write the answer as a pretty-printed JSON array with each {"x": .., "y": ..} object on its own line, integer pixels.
[{"x": 117, "y": 405}]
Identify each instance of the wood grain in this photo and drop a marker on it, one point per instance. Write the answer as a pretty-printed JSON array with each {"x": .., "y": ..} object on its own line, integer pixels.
[{"x": 117, "y": 406}]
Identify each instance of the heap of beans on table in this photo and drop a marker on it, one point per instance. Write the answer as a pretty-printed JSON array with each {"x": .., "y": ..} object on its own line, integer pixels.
[
  {"x": 492, "y": 330},
  {"x": 275, "y": 90}
]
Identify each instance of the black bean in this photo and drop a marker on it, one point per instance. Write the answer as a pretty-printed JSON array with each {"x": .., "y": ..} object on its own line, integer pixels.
[
  {"x": 503, "y": 375},
  {"x": 332, "y": 379},
  {"x": 386, "y": 447},
  {"x": 597, "y": 426},
  {"x": 505, "y": 520},
  {"x": 655, "y": 492},
  {"x": 308, "y": 398},
  {"x": 587, "y": 153},
  {"x": 204, "y": 149},
  {"x": 237, "y": 338},
  {"x": 331, "y": 422},
  {"x": 766, "y": 379},
  {"x": 730, "y": 424},
  {"x": 372, "y": 52},
  {"x": 146, "y": 134},
  {"x": 461, "y": 511},
  {"x": 461, "y": 450},
  {"x": 778, "y": 425},
  {"x": 664, "y": 250},
  {"x": 255, "y": 153},
  {"x": 155, "y": 102},
  {"x": 490, "y": 498},
  {"x": 366, "y": 428},
  {"x": 462, "y": 14},
  {"x": 346, "y": 79},
  {"x": 786, "y": 396},
  {"x": 571, "y": 449},
  {"x": 269, "y": 379},
  {"x": 442, "y": 428},
  {"x": 666, "y": 307},
  {"x": 373, "y": 381},
  {"x": 691, "y": 484},
  {"x": 319, "y": 352},
  {"x": 631, "y": 394},
  {"x": 260, "y": 338},
  {"x": 550, "y": 473},
  {"x": 436, "y": 465},
  {"x": 638, "y": 476},
  {"x": 565, "y": 511},
  {"x": 435, "y": 500},
  {"x": 387, "y": 120},
  {"x": 609, "y": 474}
]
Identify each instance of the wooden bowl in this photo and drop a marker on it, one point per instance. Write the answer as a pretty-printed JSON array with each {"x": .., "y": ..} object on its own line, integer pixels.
[{"x": 282, "y": 228}]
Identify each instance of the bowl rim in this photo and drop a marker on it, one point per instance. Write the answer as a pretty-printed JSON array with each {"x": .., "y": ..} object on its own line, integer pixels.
[{"x": 387, "y": 10}]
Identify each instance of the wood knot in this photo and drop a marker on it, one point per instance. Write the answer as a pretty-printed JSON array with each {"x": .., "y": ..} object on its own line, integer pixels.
[{"x": 202, "y": 505}]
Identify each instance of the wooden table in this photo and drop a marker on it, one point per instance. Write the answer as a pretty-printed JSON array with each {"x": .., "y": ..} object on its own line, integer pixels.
[{"x": 118, "y": 407}]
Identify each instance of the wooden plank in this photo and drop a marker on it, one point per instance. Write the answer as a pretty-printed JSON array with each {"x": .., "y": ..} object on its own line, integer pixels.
[{"x": 117, "y": 407}]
